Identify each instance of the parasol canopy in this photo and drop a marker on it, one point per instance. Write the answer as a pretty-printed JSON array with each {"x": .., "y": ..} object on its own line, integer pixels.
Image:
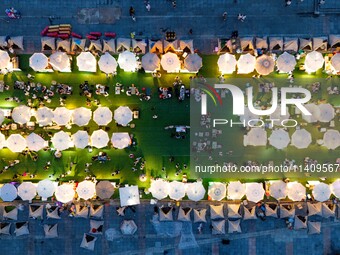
[
  {"x": 86, "y": 62},
  {"x": 264, "y": 65},
  {"x": 123, "y": 115},
  {"x": 38, "y": 62},
  {"x": 27, "y": 191},
  {"x": 121, "y": 140},
  {"x": 301, "y": 139},
  {"x": 314, "y": 61},
  {"x": 80, "y": 139},
  {"x": 21, "y": 114},
  {"x": 217, "y": 191},
  {"x": 102, "y": 116},
  {"x": 35, "y": 142},
  {"x": 321, "y": 192},
  {"x": 335, "y": 188},
  {"x": 254, "y": 191},
  {"x": 61, "y": 116},
  {"x": 61, "y": 141},
  {"x": 129, "y": 196},
  {"x": 8, "y": 192},
  {"x": 246, "y": 64},
  {"x": 44, "y": 116},
  {"x": 86, "y": 190},
  {"x": 170, "y": 62},
  {"x": 176, "y": 190},
  {"x": 150, "y": 62},
  {"x": 99, "y": 139},
  {"x": 335, "y": 61},
  {"x": 107, "y": 63},
  {"x": 81, "y": 116},
  {"x": 104, "y": 189},
  {"x": 236, "y": 190},
  {"x": 159, "y": 189},
  {"x": 226, "y": 63},
  {"x": 195, "y": 191},
  {"x": 4, "y": 59},
  {"x": 193, "y": 62},
  {"x": 127, "y": 61},
  {"x": 45, "y": 188},
  {"x": 331, "y": 139},
  {"x": 65, "y": 193},
  {"x": 286, "y": 62},
  {"x": 327, "y": 112},
  {"x": 279, "y": 139},
  {"x": 60, "y": 61},
  {"x": 257, "y": 137},
  {"x": 296, "y": 191},
  {"x": 278, "y": 190},
  {"x": 16, "y": 143}
]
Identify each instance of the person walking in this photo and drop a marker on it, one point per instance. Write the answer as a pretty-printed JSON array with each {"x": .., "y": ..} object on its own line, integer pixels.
[
  {"x": 148, "y": 6},
  {"x": 132, "y": 13},
  {"x": 225, "y": 15}
]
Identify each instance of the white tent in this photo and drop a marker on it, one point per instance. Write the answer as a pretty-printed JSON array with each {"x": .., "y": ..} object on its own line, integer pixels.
[
  {"x": 165, "y": 214},
  {"x": 335, "y": 187},
  {"x": 61, "y": 116},
  {"x": 47, "y": 42},
  {"x": 278, "y": 190},
  {"x": 264, "y": 65},
  {"x": 35, "y": 142},
  {"x": 86, "y": 190},
  {"x": 52, "y": 212},
  {"x": 226, "y": 63},
  {"x": 61, "y": 141},
  {"x": 80, "y": 139},
  {"x": 151, "y": 62},
  {"x": 195, "y": 191},
  {"x": 159, "y": 189},
  {"x": 107, "y": 63},
  {"x": 10, "y": 213},
  {"x": 315, "y": 113},
  {"x": 277, "y": 115},
  {"x": 104, "y": 189},
  {"x": 217, "y": 191},
  {"x": 176, "y": 190},
  {"x": 249, "y": 214},
  {"x": 21, "y": 228},
  {"x": 327, "y": 112},
  {"x": 95, "y": 45},
  {"x": 170, "y": 62},
  {"x": 109, "y": 45},
  {"x": 296, "y": 191},
  {"x": 139, "y": 46},
  {"x": 257, "y": 137},
  {"x": 96, "y": 211},
  {"x": 21, "y": 114},
  {"x": 170, "y": 46},
  {"x": 184, "y": 214},
  {"x": 279, "y": 139},
  {"x": 78, "y": 44},
  {"x": 51, "y": 231},
  {"x": 301, "y": 139},
  {"x": 86, "y": 62},
  {"x": 218, "y": 227},
  {"x": 45, "y": 189},
  {"x": 88, "y": 242},
  {"x": 328, "y": 210},
  {"x": 234, "y": 211},
  {"x": 16, "y": 143},
  {"x": 127, "y": 61},
  {"x": 254, "y": 191},
  {"x": 44, "y": 116},
  {"x": 305, "y": 44},
  {"x": 120, "y": 140},
  {"x": 8, "y": 192},
  {"x": 102, "y": 116},
  {"x": 246, "y": 64},
  {"x": 60, "y": 61},
  {"x": 271, "y": 210},
  {"x": 247, "y": 43},
  {"x": 275, "y": 43},
  {"x": 123, "y": 44},
  {"x": 38, "y": 62},
  {"x": 193, "y": 63},
  {"x": 200, "y": 215},
  {"x": 321, "y": 192},
  {"x": 319, "y": 43},
  {"x": 236, "y": 190},
  {"x": 99, "y": 139},
  {"x": 123, "y": 115},
  {"x": 128, "y": 227},
  {"x": 314, "y": 209},
  {"x": 64, "y": 45},
  {"x": 314, "y": 61},
  {"x": 261, "y": 43},
  {"x": 5, "y": 228},
  {"x": 234, "y": 226},
  {"x": 335, "y": 61},
  {"x": 81, "y": 116},
  {"x": 314, "y": 227},
  {"x": 82, "y": 211},
  {"x": 291, "y": 44},
  {"x": 300, "y": 222},
  {"x": 156, "y": 46},
  {"x": 4, "y": 59},
  {"x": 2, "y": 141},
  {"x": 129, "y": 196},
  {"x": 186, "y": 45},
  {"x": 286, "y": 211},
  {"x": 36, "y": 211},
  {"x": 65, "y": 193},
  {"x": 216, "y": 212},
  {"x": 331, "y": 139},
  {"x": 286, "y": 62},
  {"x": 334, "y": 40}
]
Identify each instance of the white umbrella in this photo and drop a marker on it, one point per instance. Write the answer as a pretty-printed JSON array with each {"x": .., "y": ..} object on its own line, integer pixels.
[
  {"x": 81, "y": 116},
  {"x": 279, "y": 139},
  {"x": 315, "y": 113},
  {"x": 107, "y": 63},
  {"x": 159, "y": 189},
  {"x": 257, "y": 137},
  {"x": 120, "y": 140},
  {"x": 16, "y": 143},
  {"x": 2, "y": 141},
  {"x": 104, "y": 189},
  {"x": 264, "y": 65},
  {"x": 99, "y": 138},
  {"x": 4, "y": 59},
  {"x": 81, "y": 139},
  {"x": 335, "y": 187},
  {"x": 128, "y": 227},
  {"x": 236, "y": 190},
  {"x": 129, "y": 196},
  {"x": 44, "y": 116},
  {"x": 150, "y": 62},
  {"x": 60, "y": 61},
  {"x": 246, "y": 64},
  {"x": 127, "y": 61},
  {"x": 21, "y": 114},
  {"x": 86, "y": 62},
  {"x": 248, "y": 115},
  {"x": 335, "y": 61},
  {"x": 286, "y": 62},
  {"x": 45, "y": 188},
  {"x": 170, "y": 62},
  {"x": 331, "y": 139},
  {"x": 2, "y": 116},
  {"x": 65, "y": 193},
  {"x": 296, "y": 191},
  {"x": 176, "y": 190},
  {"x": 102, "y": 116},
  {"x": 254, "y": 191},
  {"x": 278, "y": 190},
  {"x": 301, "y": 139},
  {"x": 38, "y": 62},
  {"x": 327, "y": 112},
  {"x": 314, "y": 61},
  {"x": 35, "y": 142},
  {"x": 123, "y": 115},
  {"x": 321, "y": 192},
  {"x": 27, "y": 191},
  {"x": 8, "y": 192},
  {"x": 217, "y": 191},
  {"x": 61, "y": 141},
  {"x": 193, "y": 62},
  {"x": 226, "y": 63},
  {"x": 277, "y": 115},
  {"x": 61, "y": 116},
  {"x": 195, "y": 191},
  {"x": 86, "y": 189}
]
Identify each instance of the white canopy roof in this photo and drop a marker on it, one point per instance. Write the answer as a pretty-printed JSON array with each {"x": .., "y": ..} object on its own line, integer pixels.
[
  {"x": 254, "y": 191},
  {"x": 226, "y": 63},
  {"x": 109, "y": 45},
  {"x": 47, "y": 41},
  {"x": 296, "y": 191},
  {"x": 335, "y": 187},
  {"x": 246, "y": 64},
  {"x": 314, "y": 110},
  {"x": 27, "y": 191},
  {"x": 8, "y": 192},
  {"x": 35, "y": 142},
  {"x": 129, "y": 196},
  {"x": 291, "y": 44},
  {"x": 78, "y": 43},
  {"x": 193, "y": 62},
  {"x": 257, "y": 137},
  {"x": 195, "y": 191},
  {"x": 4, "y": 59},
  {"x": 86, "y": 62},
  {"x": 314, "y": 61},
  {"x": 301, "y": 139},
  {"x": 102, "y": 116},
  {"x": 81, "y": 139},
  {"x": 170, "y": 62},
  {"x": 60, "y": 61},
  {"x": 104, "y": 189},
  {"x": 217, "y": 191},
  {"x": 99, "y": 138},
  {"x": 321, "y": 192},
  {"x": 95, "y": 45},
  {"x": 45, "y": 188},
  {"x": 123, "y": 44},
  {"x": 16, "y": 143},
  {"x": 65, "y": 193},
  {"x": 327, "y": 112},
  {"x": 331, "y": 139},
  {"x": 81, "y": 116},
  {"x": 61, "y": 141},
  {"x": 107, "y": 63},
  {"x": 86, "y": 190},
  {"x": 128, "y": 227},
  {"x": 38, "y": 62},
  {"x": 21, "y": 114},
  {"x": 177, "y": 190},
  {"x": 286, "y": 62},
  {"x": 236, "y": 190},
  {"x": 264, "y": 65},
  {"x": 127, "y": 61},
  {"x": 159, "y": 189},
  {"x": 278, "y": 190},
  {"x": 279, "y": 139},
  {"x": 151, "y": 62},
  {"x": 44, "y": 116},
  {"x": 123, "y": 115},
  {"x": 64, "y": 45},
  {"x": 335, "y": 61},
  {"x": 120, "y": 140},
  {"x": 61, "y": 116}
]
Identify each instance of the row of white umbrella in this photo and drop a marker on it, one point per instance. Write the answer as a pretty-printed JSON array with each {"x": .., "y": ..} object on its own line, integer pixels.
[
  {"x": 62, "y": 116},
  {"x": 300, "y": 139},
  {"x": 62, "y": 141},
  {"x": 64, "y": 193},
  {"x": 265, "y": 64}
]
